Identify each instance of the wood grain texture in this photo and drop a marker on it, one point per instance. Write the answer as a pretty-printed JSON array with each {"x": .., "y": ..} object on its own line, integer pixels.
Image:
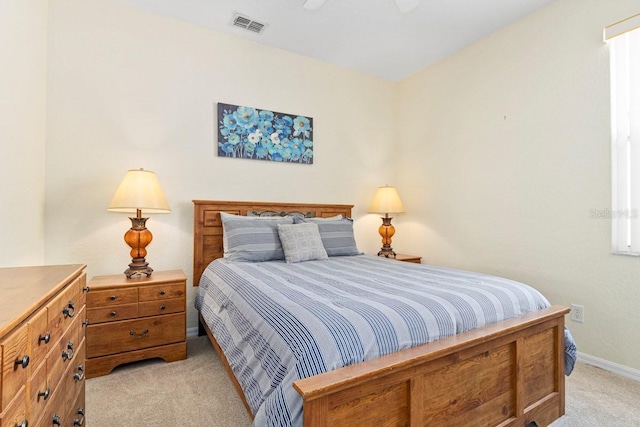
[{"x": 25, "y": 289}]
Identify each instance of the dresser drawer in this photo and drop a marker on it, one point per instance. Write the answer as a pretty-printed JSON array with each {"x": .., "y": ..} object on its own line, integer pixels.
[
  {"x": 159, "y": 292},
  {"x": 40, "y": 391},
  {"x": 16, "y": 413},
  {"x": 73, "y": 377},
  {"x": 62, "y": 310},
  {"x": 40, "y": 337},
  {"x": 65, "y": 351},
  {"x": 110, "y": 297},
  {"x": 15, "y": 363},
  {"x": 77, "y": 410},
  {"x": 128, "y": 335},
  {"x": 113, "y": 313},
  {"x": 153, "y": 308}
]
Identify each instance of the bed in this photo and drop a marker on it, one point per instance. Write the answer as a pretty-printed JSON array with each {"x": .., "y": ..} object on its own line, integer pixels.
[{"x": 506, "y": 373}]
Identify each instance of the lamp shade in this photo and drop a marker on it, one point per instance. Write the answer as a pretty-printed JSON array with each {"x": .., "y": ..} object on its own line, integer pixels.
[
  {"x": 386, "y": 201},
  {"x": 139, "y": 190}
]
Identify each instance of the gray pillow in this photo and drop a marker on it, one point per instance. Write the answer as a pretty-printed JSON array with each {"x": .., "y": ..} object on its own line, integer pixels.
[
  {"x": 301, "y": 242},
  {"x": 252, "y": 239},
  {"x": 336, "y": 234}
]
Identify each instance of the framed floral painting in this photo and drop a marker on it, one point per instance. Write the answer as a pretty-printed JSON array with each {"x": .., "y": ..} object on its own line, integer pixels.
[{"x": 250, "y": 133}]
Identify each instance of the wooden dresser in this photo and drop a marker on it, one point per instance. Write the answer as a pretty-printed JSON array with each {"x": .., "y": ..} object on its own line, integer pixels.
[
  {"x": 135, "y": 319},
  {"x": 42, "y": 342}
]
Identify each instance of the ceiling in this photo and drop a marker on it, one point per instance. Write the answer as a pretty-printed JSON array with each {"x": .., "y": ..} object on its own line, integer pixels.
[{"x": 371, "y": 36}]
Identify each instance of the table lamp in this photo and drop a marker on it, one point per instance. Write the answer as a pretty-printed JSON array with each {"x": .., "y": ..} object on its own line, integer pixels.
[
  {"x": 386, "y": 201},
  {"x": 138, "y": 191}
]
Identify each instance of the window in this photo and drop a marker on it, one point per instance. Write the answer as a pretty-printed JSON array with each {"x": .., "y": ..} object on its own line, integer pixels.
[{"x": 624, "y": 40}]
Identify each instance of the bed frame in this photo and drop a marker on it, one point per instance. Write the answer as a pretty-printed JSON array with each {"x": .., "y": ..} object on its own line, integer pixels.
[{"x": 510, "y": 373}]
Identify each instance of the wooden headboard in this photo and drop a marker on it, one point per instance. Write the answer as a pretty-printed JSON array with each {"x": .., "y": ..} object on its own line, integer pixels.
[{"x": 207, "y": 226}]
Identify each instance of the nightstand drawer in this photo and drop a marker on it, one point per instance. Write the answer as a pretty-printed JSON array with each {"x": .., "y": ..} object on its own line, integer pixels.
[
  {"x": 158, "y": 292},
  {"x": 113, "y": 313},
  {"x": 111, "y": 297},
  {"x": 153, "y": 308},
  {"x": 129, "y": 335}
]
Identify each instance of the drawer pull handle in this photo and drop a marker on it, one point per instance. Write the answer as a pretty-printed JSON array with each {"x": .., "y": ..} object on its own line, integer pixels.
[
  {"x": 79, "y": 376},
  {"x": 112, "y": 297},
  {"x": 142, "y": 335},
  {"x": 69, "y": 310},
  {"x": 45, "y": 394},
  {"x": 24, "y": 423},
  {"x": 162, "y": 292},
  {"x": 85, "y": 289},
  {"x": 162, "y": 307},
  {"x": 56, "y": 420},
  {"x": 113, "y": 314},
  {"x": 68, "y": 355},
  {"x": 46, "y": 338},
  {"x": 79, "y": 422},
  {"x": 86, "y": 322},
  {"x": 24, "y": 362}
]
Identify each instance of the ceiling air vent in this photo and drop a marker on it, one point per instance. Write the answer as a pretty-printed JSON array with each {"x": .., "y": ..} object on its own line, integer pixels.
[{"x": 247, "y": 23}]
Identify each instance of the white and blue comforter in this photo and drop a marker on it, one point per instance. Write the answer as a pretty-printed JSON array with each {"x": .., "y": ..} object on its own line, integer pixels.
[{"x": 278, "y": 322}]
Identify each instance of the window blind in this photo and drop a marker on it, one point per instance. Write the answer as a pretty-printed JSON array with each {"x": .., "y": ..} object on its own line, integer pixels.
[{"x": 624, "y": 40}]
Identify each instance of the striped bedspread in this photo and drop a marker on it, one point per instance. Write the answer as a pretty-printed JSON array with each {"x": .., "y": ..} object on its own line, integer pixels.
[{"x": 279, "y": 322}]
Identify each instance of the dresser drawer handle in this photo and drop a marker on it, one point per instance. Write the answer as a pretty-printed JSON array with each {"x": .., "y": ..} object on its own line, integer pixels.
[
  {"x": 162, "y": 292},
  {"x": 112, "y": 297},
  {"x": 24, "y": 423},
  {"x": 56, "y": 420},
  {"x": 162, "y": 307},
  {"x": 85, "y": 289},
  {"x": 114, "y": 314},
  {"x": 79, "y": 376},
  {"x": 45, "y": 394},
  {"x": 69, "y": 310},
  {"x": 79, "y": 422},
  {"x": 24, "y": 362},
  {"x": 142, "y": 335},
  {"x": 68, "y": 355},
  {"x": 46, "y": 338},
  {"x": 85, "y": 322}
]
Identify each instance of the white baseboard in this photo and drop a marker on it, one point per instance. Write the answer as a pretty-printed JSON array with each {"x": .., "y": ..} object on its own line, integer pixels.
[
  {"x": 192, "y": 332},
  {"x": 623, "y": 371}
]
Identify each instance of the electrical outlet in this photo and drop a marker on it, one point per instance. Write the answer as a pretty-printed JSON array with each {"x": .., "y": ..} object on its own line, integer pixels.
[{"x": 577, "y": 313}]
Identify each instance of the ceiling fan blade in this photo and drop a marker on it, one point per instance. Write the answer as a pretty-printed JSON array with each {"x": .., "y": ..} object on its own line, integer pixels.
[
  {"x": 405, "y": 5},
  {"x": 313, "y": 4}
]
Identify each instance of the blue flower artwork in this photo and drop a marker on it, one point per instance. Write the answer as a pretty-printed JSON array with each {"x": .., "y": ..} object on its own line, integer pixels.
[{"x": 250, "y": 133}]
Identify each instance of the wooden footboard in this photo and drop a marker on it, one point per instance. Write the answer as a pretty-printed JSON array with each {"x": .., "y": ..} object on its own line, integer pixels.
[{"x": 507, "y": 374}]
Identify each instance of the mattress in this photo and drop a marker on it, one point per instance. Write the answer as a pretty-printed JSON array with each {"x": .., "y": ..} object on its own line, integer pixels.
[{"x": 279, "y": 322}]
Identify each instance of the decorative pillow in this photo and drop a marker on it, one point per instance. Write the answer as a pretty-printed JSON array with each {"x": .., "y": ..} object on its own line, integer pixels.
[
  {"x": 301, "y": 242},
  {"x": 336, "y": 234},
  {"x": 252, "y": 239}
]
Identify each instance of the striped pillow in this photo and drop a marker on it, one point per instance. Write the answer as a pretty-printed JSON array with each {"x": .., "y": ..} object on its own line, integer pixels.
[
  {"x": 252, "y": 239},
  {"x": 336, "y": 234},
  {"x": 301, "y": 242}
]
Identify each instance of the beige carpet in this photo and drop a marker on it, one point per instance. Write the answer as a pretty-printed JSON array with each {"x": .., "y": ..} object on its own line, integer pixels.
[{"x": 196, "y": 392}]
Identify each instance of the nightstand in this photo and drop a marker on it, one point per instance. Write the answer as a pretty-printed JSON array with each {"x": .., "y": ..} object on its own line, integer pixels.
[
  {"x": 135, "y": 319},
  {"x": 408, "y": 258}
]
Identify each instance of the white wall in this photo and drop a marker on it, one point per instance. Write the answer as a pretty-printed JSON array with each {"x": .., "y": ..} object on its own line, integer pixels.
[
  {"x": 128, "y": 89},
  {"x": 23, "y": 58},
  {"x": 506, "y": 151}
]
